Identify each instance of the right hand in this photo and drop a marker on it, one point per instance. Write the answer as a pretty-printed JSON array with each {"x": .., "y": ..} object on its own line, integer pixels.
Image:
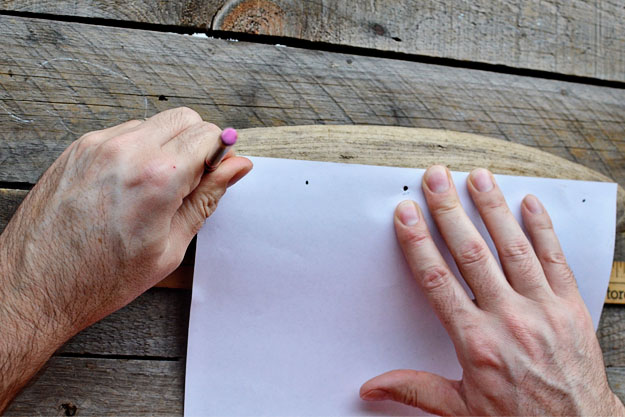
[{"x": 527, "y": 345}]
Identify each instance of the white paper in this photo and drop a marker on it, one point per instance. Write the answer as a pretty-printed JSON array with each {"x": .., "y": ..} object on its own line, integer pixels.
[{"x": 301, "y": 292}]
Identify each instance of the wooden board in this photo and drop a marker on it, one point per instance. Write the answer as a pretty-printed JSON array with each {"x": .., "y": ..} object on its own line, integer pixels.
[
  {"x": 370, "y": 145},
  {"x": 154, "y": 326},
  {"x": 563, "y": 36},
  {"x": 397, "y": 146},
  {"x": 98, "y": 386},
  {"x": 59, "y": 80}
]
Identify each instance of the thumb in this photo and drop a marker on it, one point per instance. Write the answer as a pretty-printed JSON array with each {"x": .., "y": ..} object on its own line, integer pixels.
[
  {"x": 429, "y": 392},
  {"x": 202, "y": 201}
]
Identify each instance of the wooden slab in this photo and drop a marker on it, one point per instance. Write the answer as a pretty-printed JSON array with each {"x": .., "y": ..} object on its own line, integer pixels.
[
  {"x": 154, "y": 326},
  {"x": 406, "y": 147},
  {"x": 59, "y": 80},
  {"x": 120, "y": 387},
  {"x": 392, "y": 146},
  {"x": 563, "y": 36},
  {"x": 98, "y": 386}
]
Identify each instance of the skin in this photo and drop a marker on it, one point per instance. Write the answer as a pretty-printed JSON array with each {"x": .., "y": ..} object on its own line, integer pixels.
[
  {"x": 111, "y": 217},
  {"x": 527, "y": 344},
  {"x": 116, "y": 212}
]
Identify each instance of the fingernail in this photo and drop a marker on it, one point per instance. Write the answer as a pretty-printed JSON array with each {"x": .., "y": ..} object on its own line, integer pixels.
[
  {"x": 481, "y": 180},
  {"x": 376, "y": 395},
  {"x": 533, "y": 205},
  {"x": 436, "y": 179},
  {"x": 407, "y": 213}
]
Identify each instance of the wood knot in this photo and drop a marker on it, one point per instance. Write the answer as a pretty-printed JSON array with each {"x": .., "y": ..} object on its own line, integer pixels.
[
  {"x": 69, "y": 408},
  {"x": 259, "y": 17}
]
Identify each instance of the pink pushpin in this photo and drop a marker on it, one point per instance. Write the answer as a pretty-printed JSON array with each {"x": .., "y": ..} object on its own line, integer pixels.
[{"x": 226, "y": 140}]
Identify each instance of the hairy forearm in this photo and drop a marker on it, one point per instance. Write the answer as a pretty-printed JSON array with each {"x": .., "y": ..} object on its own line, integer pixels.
[{"x": 28, "y": 336}]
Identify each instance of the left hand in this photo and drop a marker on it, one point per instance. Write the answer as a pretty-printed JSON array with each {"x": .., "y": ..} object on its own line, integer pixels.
[{"x": 112, "y": 216}]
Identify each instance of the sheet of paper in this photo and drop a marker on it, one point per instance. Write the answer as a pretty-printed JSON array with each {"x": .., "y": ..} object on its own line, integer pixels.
[{"x": 301, "y": 292}]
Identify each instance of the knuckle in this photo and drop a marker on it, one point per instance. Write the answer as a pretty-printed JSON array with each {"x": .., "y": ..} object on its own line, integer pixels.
[
  {"x": 210, "y": 128},
  {"x": 90, "y": 138},
  {"x": 409, "y": 397},
  {"x": 434, "y": 278},
  {"x": 186, "y": 116},
  {"x": 207, "y": 204},
  {"x": 473, "y": 252},
  {"x": 528, "y": 337},
  {"x": 445, "y": 206},
  {"x": 87, "y": 142},
  {"x": 517, "y": 249},
  {"x": 482, "y": 351},
  {"x": 414, "y": 238},
  {"x": 111, "y": 149},
  {"x": 555, "y": 257},
  {"x": 495, "y": 202},
  {"x": 154, "y": 173},
  {"x": 543, "y": 224}
]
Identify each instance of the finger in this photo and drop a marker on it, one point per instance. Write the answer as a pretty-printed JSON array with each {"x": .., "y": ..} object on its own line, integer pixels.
[
  {"x": 547, "y": 247},
  {"x": 473, "y": 257},
  {"x": 99, "y": 136},
  {"x": 447, "y": 297},
  {"x": 190, "y": 149},
  {"x": 202, "y": 202},
  {"x": 516, "y": 254},
  {"x": 128, "y": 126},
  {"x": 166, "y": 125},
  {"x": 430, "y": 392}
]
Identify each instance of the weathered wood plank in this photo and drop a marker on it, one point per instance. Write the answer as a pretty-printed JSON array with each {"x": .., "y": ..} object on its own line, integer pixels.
[
  {"x": 58, "y": 80},
  {"x": 78, "y": 386},
  {"x": 97, "y": 387},
  {"x": 154, "y": 325},
  {"x": 564, "y": 36},
  {"x": 616, "y": 378},
  {"x": 611, "y": 334},
  {"x": 9, "y": 201},
  {"x": 411, "y": 148}
]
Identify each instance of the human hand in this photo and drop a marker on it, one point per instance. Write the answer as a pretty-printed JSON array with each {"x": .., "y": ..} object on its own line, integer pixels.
[
  {"x": 527, "y": 344},
  {"x": 112, "y": 216}
]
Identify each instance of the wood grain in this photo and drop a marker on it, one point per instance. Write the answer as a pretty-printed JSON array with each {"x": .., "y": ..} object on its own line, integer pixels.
[
  {"x": 155, "y": 325},
  {"x": 410, "y": 148},
  {"x": 564, "y": 36},
  {"x": 414, "y": 148},
  {"x": 86, "y": 387},
  {"x": 58, "y": 80},
  {"x": 616, "y": 378},
  {"x": 103, "y": 387},
  {"x": 9, "y": 201}
]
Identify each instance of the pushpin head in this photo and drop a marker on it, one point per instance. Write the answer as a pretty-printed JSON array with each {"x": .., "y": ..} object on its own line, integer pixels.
[{"x": 229, "y": 136}]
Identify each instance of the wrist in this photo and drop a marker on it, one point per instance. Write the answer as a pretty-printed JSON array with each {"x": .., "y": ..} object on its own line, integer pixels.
[
  {"x": 616, "y": 407},
  {"x": 28, "y": 336}
]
